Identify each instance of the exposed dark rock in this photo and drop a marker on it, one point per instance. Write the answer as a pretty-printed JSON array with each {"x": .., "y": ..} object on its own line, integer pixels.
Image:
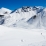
[
  {"x": 13, "y": 11},
  {"x": 34, "y": 16},
  {"x": 25, "y": 9},
  {"x": 35, "y": 8},
  {"x": 1, "y": 15},
  {"x": 6, "y": 12},
  {"x": 1, "y": 19},
  {"x": 31, "y": 19}
]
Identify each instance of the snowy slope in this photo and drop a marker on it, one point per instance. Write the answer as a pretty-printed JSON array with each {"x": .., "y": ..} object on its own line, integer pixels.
[
  {"x": 4, "y": 11},
  {"x": 26, "y": 17},
  {"x": 30, "y": 19},
  {"x": 22, "y": 37}
]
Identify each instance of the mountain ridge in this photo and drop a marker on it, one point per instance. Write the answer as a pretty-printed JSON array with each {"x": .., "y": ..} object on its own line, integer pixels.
[{"x": 24, "y": 17}]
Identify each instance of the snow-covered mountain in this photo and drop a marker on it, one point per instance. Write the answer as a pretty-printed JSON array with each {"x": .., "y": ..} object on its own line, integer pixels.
[{"x": 27, "y": 17}]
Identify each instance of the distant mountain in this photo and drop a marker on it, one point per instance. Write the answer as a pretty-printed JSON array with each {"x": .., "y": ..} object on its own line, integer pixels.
[
  {"x": 5, "y": 10},
  {"x": 27, "y": 17}
]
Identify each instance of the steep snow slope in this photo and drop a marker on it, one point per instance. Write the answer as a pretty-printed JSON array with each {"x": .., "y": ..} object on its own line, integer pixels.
[
  {"x": 44, "y": 18},
  {"x": 18, "y": 16},
  {"x": 27, "y": 17},
  {"x": 22, "y": 37}
]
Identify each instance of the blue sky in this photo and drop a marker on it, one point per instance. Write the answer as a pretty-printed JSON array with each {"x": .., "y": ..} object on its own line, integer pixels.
[{"x": 14, "y": 4}]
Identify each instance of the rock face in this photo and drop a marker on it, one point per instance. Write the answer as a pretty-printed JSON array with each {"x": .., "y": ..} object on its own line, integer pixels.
[
  {"x": 24, "y": 17},
  {"x": 1, "y": 19},
  {"x": 26, "y": 9}
]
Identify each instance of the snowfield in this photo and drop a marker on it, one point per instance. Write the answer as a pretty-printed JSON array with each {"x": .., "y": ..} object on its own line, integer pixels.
[
  {"x": 22, "y": 37},
  {"x": 25, "y": 26}
]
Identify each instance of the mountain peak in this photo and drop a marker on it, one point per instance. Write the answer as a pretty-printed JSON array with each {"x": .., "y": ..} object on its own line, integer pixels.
[
  {"x": 5, "y": 10},
  {"x": 24, "y": 16},
  {"x": 26, "y": 8}
]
